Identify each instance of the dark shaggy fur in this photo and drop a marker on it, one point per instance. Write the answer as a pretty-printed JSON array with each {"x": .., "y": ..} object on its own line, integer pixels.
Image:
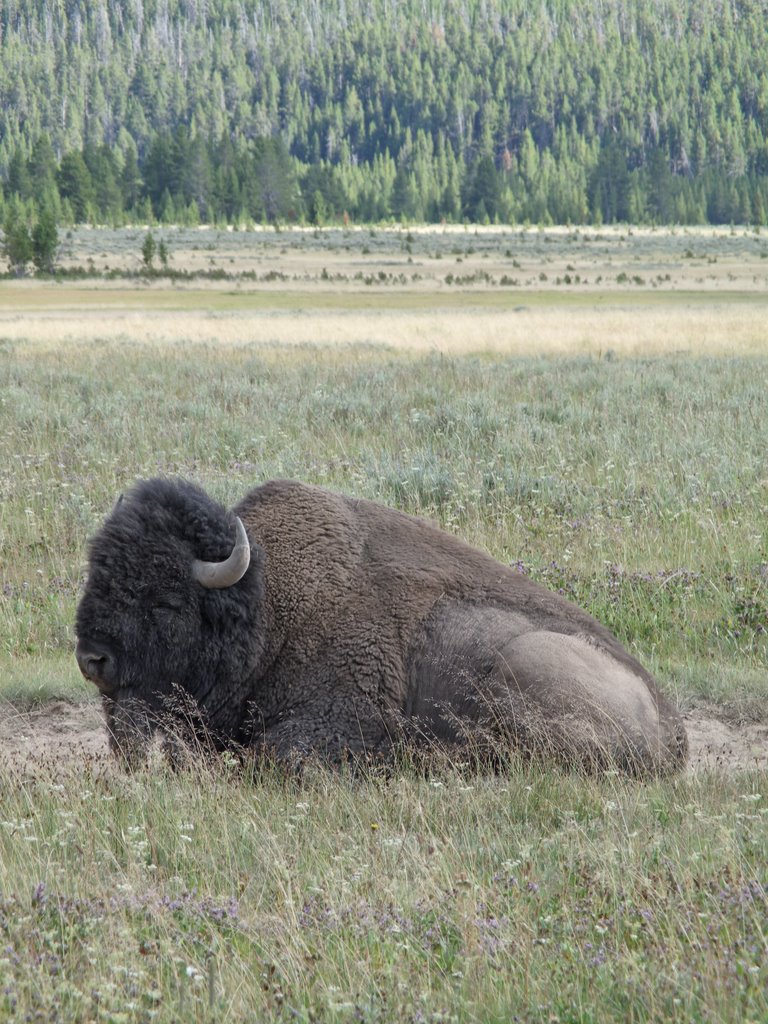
[{"x": 355, "y": 627}]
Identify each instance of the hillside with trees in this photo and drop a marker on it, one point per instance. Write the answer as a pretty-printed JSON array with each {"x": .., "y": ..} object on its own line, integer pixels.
[{"x": 236, "y": 111}]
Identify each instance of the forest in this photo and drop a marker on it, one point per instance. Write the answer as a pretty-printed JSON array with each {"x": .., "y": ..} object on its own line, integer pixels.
[{"x": 510, "y": 111}]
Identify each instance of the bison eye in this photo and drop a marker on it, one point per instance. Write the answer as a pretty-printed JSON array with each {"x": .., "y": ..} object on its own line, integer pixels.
[
  {"x": 168, "y": 622},
  {"x": 169, "y": 603}
]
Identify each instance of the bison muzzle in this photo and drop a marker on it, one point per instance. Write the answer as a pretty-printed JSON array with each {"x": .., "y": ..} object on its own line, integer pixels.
[{"x": 305, "y": 623}]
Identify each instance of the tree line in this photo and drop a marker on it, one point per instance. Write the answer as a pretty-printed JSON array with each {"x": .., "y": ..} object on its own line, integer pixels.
[{"x": 239, "y": 111}]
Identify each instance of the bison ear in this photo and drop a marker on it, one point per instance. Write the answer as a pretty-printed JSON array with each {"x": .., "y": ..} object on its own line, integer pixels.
[{"x": 218, "y": 575}]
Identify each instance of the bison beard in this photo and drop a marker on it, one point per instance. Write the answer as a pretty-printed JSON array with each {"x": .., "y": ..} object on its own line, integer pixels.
[{"x": 305, "y": 623}]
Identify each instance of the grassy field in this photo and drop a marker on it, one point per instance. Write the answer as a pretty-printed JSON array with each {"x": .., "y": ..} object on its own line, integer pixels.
[
  {"x": 453, "y": 256},
  {"x": 609, "y": 440},
  {"x": 536, "y": 897}
]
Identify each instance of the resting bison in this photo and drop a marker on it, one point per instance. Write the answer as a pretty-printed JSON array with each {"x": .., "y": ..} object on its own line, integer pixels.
[{"x": 305, "y": 622}]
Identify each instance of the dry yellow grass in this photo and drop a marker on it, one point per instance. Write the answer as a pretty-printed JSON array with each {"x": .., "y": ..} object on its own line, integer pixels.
[
  {"x": 451, "y": 290},
  {"x": 693, "y": 258},
  {"x": 726, "y": 328}
]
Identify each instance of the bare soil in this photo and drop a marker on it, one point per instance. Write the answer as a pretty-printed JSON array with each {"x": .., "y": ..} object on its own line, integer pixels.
[{"x": 62, "y": 736}]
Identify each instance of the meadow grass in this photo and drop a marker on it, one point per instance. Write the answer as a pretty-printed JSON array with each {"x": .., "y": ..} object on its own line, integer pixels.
[
  {"x": 473, "y": 255},
  {"x": 636, "y": 486},
  {"x": 538, "y": 896}
]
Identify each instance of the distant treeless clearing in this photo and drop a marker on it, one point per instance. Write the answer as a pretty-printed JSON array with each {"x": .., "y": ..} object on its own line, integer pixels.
[
  {"x": 521, "y": 323},
  {"x": 502, "y": 290}
]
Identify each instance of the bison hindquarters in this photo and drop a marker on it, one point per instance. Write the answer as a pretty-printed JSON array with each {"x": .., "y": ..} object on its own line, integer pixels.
[{"x": 483, "y": 679}]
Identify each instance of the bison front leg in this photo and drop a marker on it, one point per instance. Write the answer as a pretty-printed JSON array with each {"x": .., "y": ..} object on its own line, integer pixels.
[
  {"x": 331, "y": 732},
  {"x": 130, "y": 725}
]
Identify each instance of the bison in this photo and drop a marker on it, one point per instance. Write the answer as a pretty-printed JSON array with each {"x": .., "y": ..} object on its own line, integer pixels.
[{"x": 304, "y": 623}]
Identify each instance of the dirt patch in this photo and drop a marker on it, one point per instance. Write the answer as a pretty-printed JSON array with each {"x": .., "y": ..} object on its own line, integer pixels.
[
  {"x": 717, "y": 744},
  {"x": 56, "y": 735},
  {"x": 60, "y": 735}
]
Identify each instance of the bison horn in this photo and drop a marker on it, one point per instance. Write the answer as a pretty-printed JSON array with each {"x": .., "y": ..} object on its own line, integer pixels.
[{"x": 217, "y": 575}]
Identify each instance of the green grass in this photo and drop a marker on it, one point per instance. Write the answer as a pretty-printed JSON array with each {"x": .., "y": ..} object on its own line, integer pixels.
[
  {"x": 536, "y": 897},
  {"x": 311, "y": 300},
  {"x": 637, "y": 487},
  {"x": 405, "y": 269},
  {"x": 30, "y": 682}
]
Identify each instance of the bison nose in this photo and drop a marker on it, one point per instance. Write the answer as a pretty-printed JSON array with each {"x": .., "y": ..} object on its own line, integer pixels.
[{"x": 97, "y": 666}]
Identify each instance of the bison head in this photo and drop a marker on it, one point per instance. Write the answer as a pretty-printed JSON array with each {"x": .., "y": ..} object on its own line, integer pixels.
[{"x": 171, "y": 608}]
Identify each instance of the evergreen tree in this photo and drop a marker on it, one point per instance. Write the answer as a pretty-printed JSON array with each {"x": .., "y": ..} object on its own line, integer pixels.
[
  {"x": 106, "y": 195},
  {"x": 324, "y": 195},
  {"x": 660, "y": 188},
  {"x": 616, "y": 111},
  {"x": 274, "y": 182},
  {"x": 16, "y": 245},
  {"x": 42, "y": 166},
  {"x": 18, "y": 180},
  {"x": 483, "y": 192},
  {"x": 75, "y": 184},
  {"x": 45, "y": 243},
  {"x": 148, "y": 249},
  {"x": 130, "y": 179},
  {"x": 609, "y": 185},
  {"x": 405, "y": 201}
]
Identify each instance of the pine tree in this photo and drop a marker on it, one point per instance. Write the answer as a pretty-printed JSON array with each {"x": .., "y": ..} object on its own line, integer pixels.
[
  {"x": 16, "y": 245},
  {"x": 75, "y": 184},
  {"x": 130, "y": 179},
  {"x": 483, "y": 193},
  {"x": 653, "y": 109},
  {"x": 42, "y": 166},
  {"x": 45, "y": 243},
  {"x": 148, "y": 249},
  {"x": 19, "y": 180},
  {"x": 609, "y": 185}
]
